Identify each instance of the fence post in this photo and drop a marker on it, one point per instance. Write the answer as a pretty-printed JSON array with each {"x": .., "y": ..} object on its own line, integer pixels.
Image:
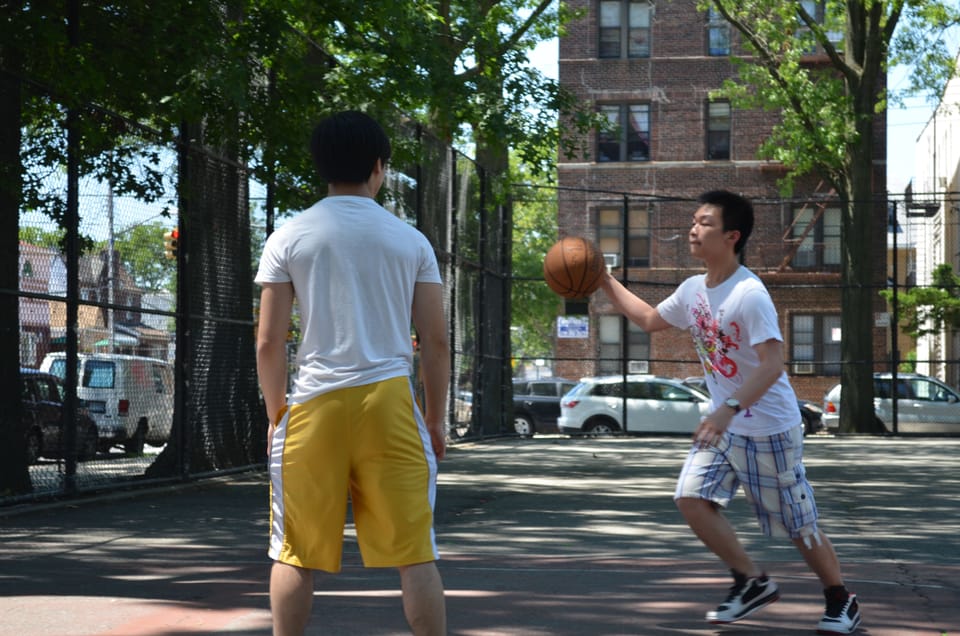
[
  {"x": 72, "y": 222},
  {"x": 181, "y": 369},
  {"x": 894, "y": 325}
]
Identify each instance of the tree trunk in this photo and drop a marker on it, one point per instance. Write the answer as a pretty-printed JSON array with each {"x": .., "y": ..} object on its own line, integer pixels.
[
  {"x": 14, "y": 472},
  {"x": 861, "y": 286},
  {"x": 223, "y": 416},
  {"x": 496, "y": 258}
]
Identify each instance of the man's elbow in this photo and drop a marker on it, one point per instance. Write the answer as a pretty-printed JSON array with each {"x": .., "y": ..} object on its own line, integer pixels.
[
  {"x": 267, "y": 347},
  {"x": 436, "y": 343}
]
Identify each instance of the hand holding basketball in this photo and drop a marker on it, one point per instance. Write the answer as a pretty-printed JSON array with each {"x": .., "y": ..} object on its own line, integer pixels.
[{"x": 573, "y": 267}]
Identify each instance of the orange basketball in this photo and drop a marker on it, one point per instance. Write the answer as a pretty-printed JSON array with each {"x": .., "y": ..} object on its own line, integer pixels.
[{"x": 573, "y": 267}]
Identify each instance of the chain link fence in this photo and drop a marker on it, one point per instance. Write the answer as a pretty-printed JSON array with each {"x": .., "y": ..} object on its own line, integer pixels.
[
  {"x": 796, "y": 249},
  {"x": 164, "y": 347},
  {"x": 162, "y": 325}
]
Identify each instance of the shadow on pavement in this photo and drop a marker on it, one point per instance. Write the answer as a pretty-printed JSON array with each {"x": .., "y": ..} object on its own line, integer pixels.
[{"x": 543, "y": 536}]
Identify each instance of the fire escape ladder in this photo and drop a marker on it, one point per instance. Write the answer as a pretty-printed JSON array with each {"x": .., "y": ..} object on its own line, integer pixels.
[{"x": 796, "y": 241}]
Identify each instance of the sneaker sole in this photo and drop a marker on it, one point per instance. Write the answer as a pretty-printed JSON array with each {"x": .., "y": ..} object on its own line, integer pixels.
[
  {"x": 833, "y": 632},
  {"x": 766, "y": 601}
]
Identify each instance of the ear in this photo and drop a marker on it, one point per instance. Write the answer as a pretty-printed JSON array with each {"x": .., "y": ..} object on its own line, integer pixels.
[{"x": 377, "y": 176}]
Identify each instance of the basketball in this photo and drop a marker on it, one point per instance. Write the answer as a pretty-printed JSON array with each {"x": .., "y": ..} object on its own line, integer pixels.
[{"x": 573, "y": 267}]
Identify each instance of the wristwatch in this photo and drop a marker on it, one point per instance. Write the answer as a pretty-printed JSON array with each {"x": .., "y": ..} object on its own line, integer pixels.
[{"x": 733, "y": 403}]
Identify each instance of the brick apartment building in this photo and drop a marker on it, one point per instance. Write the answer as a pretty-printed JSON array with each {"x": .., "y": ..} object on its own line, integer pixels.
[{"x": 650, "y": 68}]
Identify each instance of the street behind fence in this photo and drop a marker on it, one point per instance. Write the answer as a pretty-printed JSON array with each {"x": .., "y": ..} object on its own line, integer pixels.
[{"x": 546, "y": 536}]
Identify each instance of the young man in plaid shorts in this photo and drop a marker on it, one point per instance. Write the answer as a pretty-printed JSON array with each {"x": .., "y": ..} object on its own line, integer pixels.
[{"x": 754, "y": 436}]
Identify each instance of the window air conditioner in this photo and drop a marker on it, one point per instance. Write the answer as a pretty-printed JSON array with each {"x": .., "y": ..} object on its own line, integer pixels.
[
  {"x": 638, "y": 366},
  {"x": 803, "y": 368}
]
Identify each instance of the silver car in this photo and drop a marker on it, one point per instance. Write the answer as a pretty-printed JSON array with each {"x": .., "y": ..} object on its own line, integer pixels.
[
  {"x": 924, "y": 405},
  {"x": 595, "y": 406}
]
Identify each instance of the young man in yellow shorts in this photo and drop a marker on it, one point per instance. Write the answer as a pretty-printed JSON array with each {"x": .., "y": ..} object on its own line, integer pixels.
[{"x": 360, "y": 276}]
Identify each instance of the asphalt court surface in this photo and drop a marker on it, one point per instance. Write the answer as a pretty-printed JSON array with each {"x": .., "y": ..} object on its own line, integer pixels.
[{"x": 547, "y": 536}]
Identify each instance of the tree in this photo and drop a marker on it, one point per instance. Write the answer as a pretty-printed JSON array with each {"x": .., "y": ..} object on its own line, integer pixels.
[
  {"x": 141, "y": 253},
  {"x": 461, "y": 68},
  {"x": 534, "y": 305},
  {"x": 928, "y": 310},
  {"x": 130, "y": 76},
  {"x": 829, "y": 112},
  {"x": 14, "y": 472},
  {"x": 245, "y": 79},
  {"x": 41, "y": 237}
]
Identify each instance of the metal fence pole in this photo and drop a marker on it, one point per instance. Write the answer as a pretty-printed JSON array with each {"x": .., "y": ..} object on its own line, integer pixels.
[
  {"x": 72, "y": 221},
  {"x": 895, "y": 325},
  {"x": 182, "y": 320}
]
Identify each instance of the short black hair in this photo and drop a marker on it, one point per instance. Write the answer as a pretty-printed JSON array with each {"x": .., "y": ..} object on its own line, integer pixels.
[
  {"x": 345, "y": 147},
  {"x": 737, "y": 213}
]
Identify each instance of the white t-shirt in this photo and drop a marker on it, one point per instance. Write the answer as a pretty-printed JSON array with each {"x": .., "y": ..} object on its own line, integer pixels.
[
  {"x": 726, "y": 322},
  {"x": 353, "y": 266}
]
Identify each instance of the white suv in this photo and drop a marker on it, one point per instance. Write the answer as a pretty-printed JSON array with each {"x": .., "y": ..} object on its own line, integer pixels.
[
  {"x": 924, "y": 405},
  {"x": 129, "y": 397},
  {"x": 654, "y": 405}
]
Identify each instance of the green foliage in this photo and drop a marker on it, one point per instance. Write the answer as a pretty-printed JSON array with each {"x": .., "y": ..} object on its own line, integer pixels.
[
  {"x": 826, "y": 104},
  {"x": 921, "y": 43},
  {"x": 817, "y": 108},
  {"x": 277, "y": 67},
  {"x": 928, "y": 310},
  {"x": 459, "y": 67},
  {"x": 824, "y": 75},
  {"x": 534, "y": 305},
  {"x": 41, "y": 237},
  {"x": 909, "y": 363},
  {"x": 142, "y": 255}
]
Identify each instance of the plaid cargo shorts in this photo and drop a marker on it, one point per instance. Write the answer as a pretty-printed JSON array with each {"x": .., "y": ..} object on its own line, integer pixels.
[{"x": 770, "y": 469}]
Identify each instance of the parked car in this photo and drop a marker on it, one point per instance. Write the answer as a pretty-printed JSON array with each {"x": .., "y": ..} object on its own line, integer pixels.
[
  {"x": 654, "y": 405},
  {"x": 536, "y": 404},
  {"x": 129, "y": 397},
  {"x": 924, "y": 405},
  {"x": 811, "y": 412},
  {"x": 42, "y": 399},
  {"x": 463, "y": 407}
]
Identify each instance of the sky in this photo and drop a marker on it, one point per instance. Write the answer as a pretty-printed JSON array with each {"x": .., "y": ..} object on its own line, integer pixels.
[{"x": 904, "y": 124}]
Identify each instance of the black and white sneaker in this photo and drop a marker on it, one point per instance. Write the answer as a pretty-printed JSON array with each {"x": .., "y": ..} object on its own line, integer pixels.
[
  {"x": 746, "y": 597},
  {"x": 841, "y": 617}
]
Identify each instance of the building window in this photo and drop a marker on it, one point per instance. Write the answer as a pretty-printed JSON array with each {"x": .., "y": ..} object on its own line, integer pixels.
[
  {"x": 624, "y": 26},
  {"x": 718, "y": 33},
  {"x": 832, "y": 23},
  {"x": 610, "y": 331},
  {"x": 815, "y": 344},
  {"x": 27, "y": 270},
  {"x": 819, "y": 242},
  {"x": 628, "y": 135},
  {"x": 610, "y": 233},
  {"x": 803, "y": 34},
  {"x": 718, "y": 130}
]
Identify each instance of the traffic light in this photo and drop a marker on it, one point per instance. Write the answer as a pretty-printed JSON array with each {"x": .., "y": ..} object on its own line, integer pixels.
[{"x": 170, "y": 243}]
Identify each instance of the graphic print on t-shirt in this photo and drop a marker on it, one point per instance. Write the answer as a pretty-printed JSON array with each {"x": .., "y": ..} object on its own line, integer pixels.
[{"x": 712, "y": 342}]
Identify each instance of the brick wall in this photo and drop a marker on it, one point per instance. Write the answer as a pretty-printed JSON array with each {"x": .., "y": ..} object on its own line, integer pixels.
[{"x": 676, "y": 81}]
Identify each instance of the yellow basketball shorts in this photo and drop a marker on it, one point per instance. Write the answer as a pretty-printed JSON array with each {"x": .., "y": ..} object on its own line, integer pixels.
[{"x": 371, "y": 442}]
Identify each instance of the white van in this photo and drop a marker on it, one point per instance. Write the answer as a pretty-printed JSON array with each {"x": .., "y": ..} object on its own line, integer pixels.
[{"x": 129, "y": 397}]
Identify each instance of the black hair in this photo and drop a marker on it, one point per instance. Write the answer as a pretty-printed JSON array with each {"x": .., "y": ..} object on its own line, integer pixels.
[
  {"x": 345, "y": 147},
  {"x": 737, "y": 213}
]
